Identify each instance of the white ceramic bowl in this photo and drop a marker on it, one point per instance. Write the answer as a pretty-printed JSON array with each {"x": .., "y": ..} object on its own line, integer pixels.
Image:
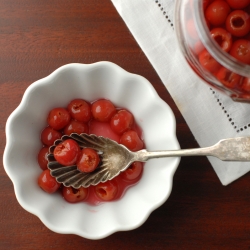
[{"x": 90, "y": 82}]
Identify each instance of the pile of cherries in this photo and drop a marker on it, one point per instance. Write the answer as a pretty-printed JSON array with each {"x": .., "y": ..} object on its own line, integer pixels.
[
  {"x": 229, "y": 25},
  {"x": 103, "y": 119}
]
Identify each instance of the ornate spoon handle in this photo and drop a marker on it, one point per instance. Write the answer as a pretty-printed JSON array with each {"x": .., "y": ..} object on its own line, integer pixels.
[{"x": 232, "y": 149}]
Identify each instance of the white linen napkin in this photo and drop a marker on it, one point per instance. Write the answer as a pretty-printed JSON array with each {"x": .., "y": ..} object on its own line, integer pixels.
[{"x": 210, "y": 115}]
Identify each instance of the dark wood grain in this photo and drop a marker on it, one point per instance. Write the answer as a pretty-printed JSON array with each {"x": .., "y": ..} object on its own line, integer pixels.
[{"x": 36, "y": 37}]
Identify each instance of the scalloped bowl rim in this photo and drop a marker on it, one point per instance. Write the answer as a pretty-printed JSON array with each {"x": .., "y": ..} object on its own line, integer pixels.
[{"x": 84, "y": 232}]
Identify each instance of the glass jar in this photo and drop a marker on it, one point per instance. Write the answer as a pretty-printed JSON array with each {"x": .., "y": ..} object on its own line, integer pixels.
[{"x": 227, "y": 74}]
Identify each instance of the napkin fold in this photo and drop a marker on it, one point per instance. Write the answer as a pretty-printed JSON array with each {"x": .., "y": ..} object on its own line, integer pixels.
[{"x": 210, "y": 115}]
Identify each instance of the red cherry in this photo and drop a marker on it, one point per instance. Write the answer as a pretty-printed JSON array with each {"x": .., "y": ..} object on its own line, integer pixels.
[
  {"x": 73, "y": 195},
  {"x": 88, "y": 160},
  {"x": 49, "y": 135},
  {"x": 42, "y": 157},
  {"x": 103, "y": 110},
  {"x": 241, "y": 50},
  {"x": 222, "y": 37},
  {"x": 47, "y": 182},
  {"x": 238, "y": 23},
  {"x": 246, "y": 84},
  {"x": 217, "y": 12},
  {"x": 208, "y": 62},
  {"x": 123, "y": 120},
  {"x": 132, "y": 172},
  {"x": 131, "y": 140},
  {"x": 106, "y": 191},
  {"x": 76, "y": 127},
  {"x": 58, "y": 118},
  {"x": 67, "y": 152},
  {"x": 238, "y": 4},
  {"x": 228, "y": 78},
  {"x": 206, "y": 3},
  {"x": 80, "y": 110}
]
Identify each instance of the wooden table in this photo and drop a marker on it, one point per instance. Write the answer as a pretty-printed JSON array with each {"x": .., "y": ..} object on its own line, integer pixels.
[{"x": 36, "y": 37}]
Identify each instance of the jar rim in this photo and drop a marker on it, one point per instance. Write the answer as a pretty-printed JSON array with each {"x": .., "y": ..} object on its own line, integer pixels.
[{"x": 211, "y": 45}]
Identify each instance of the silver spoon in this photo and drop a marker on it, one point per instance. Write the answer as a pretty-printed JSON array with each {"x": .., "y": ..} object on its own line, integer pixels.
[{"x": 116, "y": 157}]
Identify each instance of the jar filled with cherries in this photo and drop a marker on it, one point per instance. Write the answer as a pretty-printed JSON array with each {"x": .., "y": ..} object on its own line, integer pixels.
[{"x": 214, "y": 36}]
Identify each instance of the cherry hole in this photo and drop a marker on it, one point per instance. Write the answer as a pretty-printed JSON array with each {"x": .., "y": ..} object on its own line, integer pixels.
[
  {"x": 102, "y": 192},
  {"x": 238, "y": 22}
]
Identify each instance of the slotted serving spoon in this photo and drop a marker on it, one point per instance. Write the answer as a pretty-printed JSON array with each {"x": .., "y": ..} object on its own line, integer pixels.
[{"x": 116, "y": 158}]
